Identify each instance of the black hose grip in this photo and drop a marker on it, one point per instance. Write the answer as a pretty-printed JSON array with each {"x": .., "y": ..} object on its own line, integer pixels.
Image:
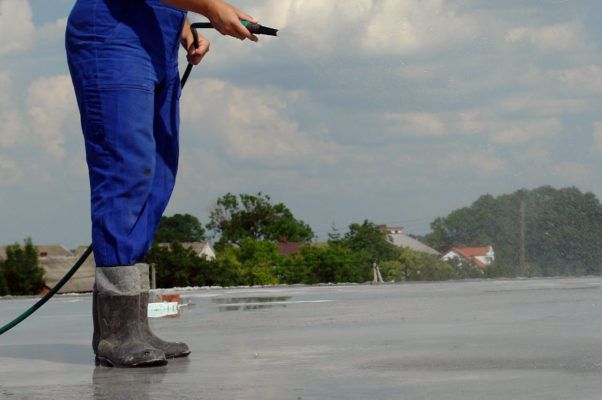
[{"x": 195, "y": 35}]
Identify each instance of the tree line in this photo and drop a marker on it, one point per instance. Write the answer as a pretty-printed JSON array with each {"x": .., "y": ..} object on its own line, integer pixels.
[
  {"x": 246, "y": 230},
  {"x": 562, "y": 236},
  {"x": 562, "y": 231}
]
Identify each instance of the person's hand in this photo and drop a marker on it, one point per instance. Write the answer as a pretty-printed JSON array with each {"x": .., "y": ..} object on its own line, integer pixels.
[
  {"x": 226, "y": 18},
  {"x": 194, "y": 54}
]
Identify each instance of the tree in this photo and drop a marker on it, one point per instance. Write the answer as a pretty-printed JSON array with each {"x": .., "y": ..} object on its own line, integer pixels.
[
  {"x": 368, "y": 240},
  {"x": 324, "y": 264},
  {"x": 3, "y": 285},
  {"x": 464, "y": 269},
  {"x": 180, "y": 228},
  {"x": 21, "y": 270},
  {"x": 563, "y": 230},
  {"x": 334, "y": 236},
  {"x": 255, "y": 217},
  {"x": 179, "y": 266},
  {"x": 411, "y": 265},
  {"x": 254, "y": 262}
]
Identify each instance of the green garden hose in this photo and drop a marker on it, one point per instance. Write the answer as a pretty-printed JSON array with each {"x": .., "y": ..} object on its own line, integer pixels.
[{"x": 48, "y": 295}]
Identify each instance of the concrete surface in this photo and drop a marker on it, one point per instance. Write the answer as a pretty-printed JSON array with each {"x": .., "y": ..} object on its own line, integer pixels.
[{"x": 529, "y": 339}]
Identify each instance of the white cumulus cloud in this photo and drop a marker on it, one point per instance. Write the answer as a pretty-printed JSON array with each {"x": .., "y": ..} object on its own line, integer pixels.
[
  {"x": 486, "y": 122},
  {"x": 52, "y": 111},
  {"x": 597, "y": 137},
  {"x": 560, "y": 37},
  {"x": 253, "y": 123},
  {"x": 480, "y": 161},
  {"x": 16, "y": 26},
  {"x": 404, "y": 26},
  {"x": 9, "y": 172},
  {"x": 11, "y": 121},
  {"x": 388, "y": 27}
]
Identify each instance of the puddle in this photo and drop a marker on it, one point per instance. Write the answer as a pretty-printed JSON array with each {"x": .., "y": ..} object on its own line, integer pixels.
[{"x": 250, "y": 303}]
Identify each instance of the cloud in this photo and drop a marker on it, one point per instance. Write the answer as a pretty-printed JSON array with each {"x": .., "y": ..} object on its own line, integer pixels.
[
  {"x": 386, "y": 27},
  {"x": 16, "y": 26},
  {"x": 485, "y": 122},
  {"x": 52, "y": 30},
  {"x": 11, "y": 123},
  {"x": 481, "y": 162},
  {"x": 597, "y": 137},
  {"x": 419, "y": 124},
  {"x": 582, "y": 80},
  {"x": 574, "y": 172},
  {"x": 541, "y": 106},
  {"x": 52, "y": 110},
  {"x": 551, "y": 38},
  {"x": 517, "y": 131},
  {"x": 405, "y": 26},
  {"x": 588, "y": 78},
  {"x": 9, "y": 172},
  {"x": 254, "y": 124}
]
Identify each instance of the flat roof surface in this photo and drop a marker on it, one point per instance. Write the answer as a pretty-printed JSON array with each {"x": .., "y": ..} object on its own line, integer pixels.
[{"x": 520, "y": 339}]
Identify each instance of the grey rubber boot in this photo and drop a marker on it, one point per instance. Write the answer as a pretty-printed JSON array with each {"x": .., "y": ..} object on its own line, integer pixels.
[
  {"x": 120, "y": 340},
  {"x": 96, "y": 334},
  {"x": 171, "y": 349}
]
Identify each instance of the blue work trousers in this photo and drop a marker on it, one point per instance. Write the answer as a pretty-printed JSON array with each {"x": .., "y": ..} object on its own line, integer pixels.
[{"x": 123, "y": 61}]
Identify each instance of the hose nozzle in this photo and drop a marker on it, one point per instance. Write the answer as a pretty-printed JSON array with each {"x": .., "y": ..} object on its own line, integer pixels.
[
  {"x": 254, "y": 28},
  {"x": 257, "y": 29}
]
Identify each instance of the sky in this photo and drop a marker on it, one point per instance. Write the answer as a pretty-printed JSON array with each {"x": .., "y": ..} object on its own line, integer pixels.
[{"x": 396, "y": 111}]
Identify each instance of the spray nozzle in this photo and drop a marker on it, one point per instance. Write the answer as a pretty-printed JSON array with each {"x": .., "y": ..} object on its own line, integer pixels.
[
  {"x": 253, "y": 27},
  {"x": 257, "y": 29}
]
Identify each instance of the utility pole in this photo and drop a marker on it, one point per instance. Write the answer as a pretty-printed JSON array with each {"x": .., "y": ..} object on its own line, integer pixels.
[{"x": 521, "y": 239}]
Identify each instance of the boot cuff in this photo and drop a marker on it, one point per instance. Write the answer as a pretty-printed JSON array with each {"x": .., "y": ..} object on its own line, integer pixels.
[
  {"x": 118, "y": 281},
  {"x": 143, "y": 269}
]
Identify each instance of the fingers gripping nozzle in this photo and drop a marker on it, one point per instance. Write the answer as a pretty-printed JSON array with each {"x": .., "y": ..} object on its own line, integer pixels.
[
  {"x": 257, "y": 29},
  {"x": 253, "y": 27}
]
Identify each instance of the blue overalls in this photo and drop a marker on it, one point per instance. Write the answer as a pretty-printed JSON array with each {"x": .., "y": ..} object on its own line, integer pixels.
[{"x": 123, "y": 61}]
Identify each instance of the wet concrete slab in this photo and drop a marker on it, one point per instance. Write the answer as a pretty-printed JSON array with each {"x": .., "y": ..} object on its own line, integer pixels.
[{"x": 521, "y": 339}]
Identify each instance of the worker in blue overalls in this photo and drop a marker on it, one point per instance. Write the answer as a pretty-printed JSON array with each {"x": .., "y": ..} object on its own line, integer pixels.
[{"x": 123, "y": 61}]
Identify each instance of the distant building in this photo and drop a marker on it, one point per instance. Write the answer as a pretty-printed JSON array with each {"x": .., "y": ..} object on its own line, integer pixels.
[
  {"x": 287, "y": 249},
  {"x": 201, "y": 249},
  {"x": 482, "y": 257},
  {"x": 398, "y": 238},
  {"x": 56, "y": 261},
  {"x": 53, "y": 250}
]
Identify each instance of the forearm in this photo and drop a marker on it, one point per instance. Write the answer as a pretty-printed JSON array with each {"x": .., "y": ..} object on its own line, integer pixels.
[
  {"x": 197, "y": 6},
  {"x": 224, "y": 17}
]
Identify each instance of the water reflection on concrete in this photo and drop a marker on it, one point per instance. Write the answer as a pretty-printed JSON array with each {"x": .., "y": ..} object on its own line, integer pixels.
[
  {"x": 53, "y": 352},
  {"x": 250, "y": 303},
  {"x": 133, "y": 383}
]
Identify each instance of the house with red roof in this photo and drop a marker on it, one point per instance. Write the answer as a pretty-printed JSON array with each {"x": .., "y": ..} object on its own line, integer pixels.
[
  {"x": 482, "y": 257},
  {"x": 288, "y": 249}
]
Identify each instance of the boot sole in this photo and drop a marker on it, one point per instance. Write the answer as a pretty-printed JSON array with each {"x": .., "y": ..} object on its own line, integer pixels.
[
  {"x": 105, "y": 362},
  {"x": 179, "y": 355}
]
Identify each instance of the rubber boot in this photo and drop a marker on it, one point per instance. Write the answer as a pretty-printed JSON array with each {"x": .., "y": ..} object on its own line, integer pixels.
[
  {"x": 96, "y": 333},
  {"x": 120, "y": 341},
  {"x": 171, "y": 349}
]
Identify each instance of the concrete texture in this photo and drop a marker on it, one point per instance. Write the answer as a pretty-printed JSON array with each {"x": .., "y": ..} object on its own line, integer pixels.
[{"x": 526, "y": 339}]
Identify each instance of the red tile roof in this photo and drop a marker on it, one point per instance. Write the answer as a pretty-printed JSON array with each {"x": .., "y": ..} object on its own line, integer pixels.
[
  {"x": 289, "y": 248},
  {"x": 470, "y": 253}
]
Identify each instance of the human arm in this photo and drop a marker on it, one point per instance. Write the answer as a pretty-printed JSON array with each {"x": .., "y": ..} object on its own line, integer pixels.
[{"x": 224, "y": 17}]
